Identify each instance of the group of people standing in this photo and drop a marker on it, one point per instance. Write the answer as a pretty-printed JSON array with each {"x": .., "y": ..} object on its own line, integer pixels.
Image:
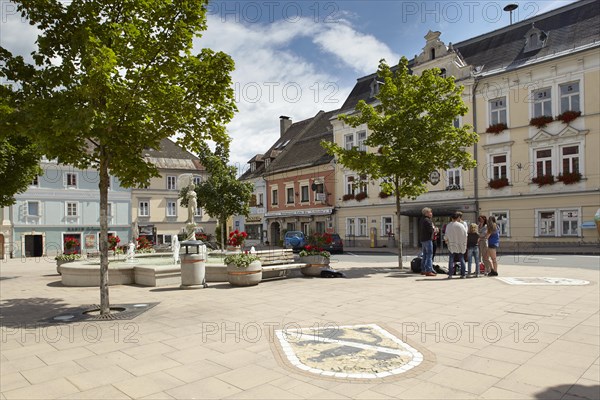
[{"x": 476, "y": 242}]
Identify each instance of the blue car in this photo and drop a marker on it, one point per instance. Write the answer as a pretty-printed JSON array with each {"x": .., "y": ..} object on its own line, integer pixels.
[{"x": 294, "y": 240}]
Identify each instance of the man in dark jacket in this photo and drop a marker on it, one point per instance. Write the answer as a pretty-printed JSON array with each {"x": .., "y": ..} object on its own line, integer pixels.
[{"x": 426, "y": 239}]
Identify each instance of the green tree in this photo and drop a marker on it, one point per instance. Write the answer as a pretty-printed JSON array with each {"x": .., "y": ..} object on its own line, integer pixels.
[
  {"x": 112, "y": 78},
  {"x": 411, "y": 129},
  {"x": 221, "y": 195}
]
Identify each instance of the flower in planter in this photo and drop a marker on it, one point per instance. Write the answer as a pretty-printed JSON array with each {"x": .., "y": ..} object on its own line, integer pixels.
[
  {"x": 144, "y": 245},
  {"x": 71, "y": 244},
  {"x": 361, "y": 196},
  {"x": 543, "y": 180},
  {"x": 568, "y": 116},
  {"x": 113, "y": 242},
  {"x": 316, "y": 243},
  {"x": 347, "y": 197},
  {"x": 541, "y": 122},
  {"x": 383, "y": 195},
  {"x": 498, "y": 183},
  {"x": 68, "y": 257},
  {"x": 496, "y": 128},
  {"x": 569, "y": 178},
  {"x": 237, "y": 238},
  {"x": 241, "y": 260}
]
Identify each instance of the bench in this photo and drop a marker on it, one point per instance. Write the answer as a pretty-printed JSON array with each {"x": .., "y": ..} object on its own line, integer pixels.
[{"x": 277, "y": 263}]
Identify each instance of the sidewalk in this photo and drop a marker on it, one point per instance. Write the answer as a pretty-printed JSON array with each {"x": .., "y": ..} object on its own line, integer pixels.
[{"x": 479, "y": 338}]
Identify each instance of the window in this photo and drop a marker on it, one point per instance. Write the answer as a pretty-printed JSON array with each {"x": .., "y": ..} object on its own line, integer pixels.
[
  {"x": 569, "y": 97},
  {"x": 33, "y": 208},
  {"x": 171, "y": 208},
  {"x": 542, "y": 102},
  {"x": 349, "y": 185},
  {"x": 498, "y": 111},
  {"x": 443, "y": 72},
  {"x": 253, "y": 167},
  {"x": 364, "y": 185},
  {"x": 499, "y": 166},
  {"x": 543, "y": 162},
  {"x": 563, "y": 222},
  {"x": 362, "y": 136},
  {"x": 362, "y": 226},
  {"x": 320, "y": 188},
  {"x": 291, "y": 226},
  {"x": 143, "y": 209},
  {"x": 570, "y": 159},
  {"x": 35, "y": 181},
  {"x": 261, "y": 199},
  {"x": 349, "y": 141},
  {"x": 350, "y": 228},
  {"x": 109, "y": 210},
  {"x": 267, "y": 162},
  {"x": 197, "y": 181},
  {"x": 320, "y": 227},
  {"x": 198, "y": 212},
  {"x": 72, "y": 209},
  {"x": 163, "y": 239},
  {"x": 171, "y": 183},
  {"x": 71, "y": 180},
  {"x": 290, "y": 195},
  {"x": 274, "y": 197},
  {"x": 453, "y": 178},
  {"x": 387, "y": 226},
  {"x": 304, "y": 194},
  {"x": 502, "y": 222},
  {"x": 305, "y": 228},
  {"x": 456, "y": 122}
]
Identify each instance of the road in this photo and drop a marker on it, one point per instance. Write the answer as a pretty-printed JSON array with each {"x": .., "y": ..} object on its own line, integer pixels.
[{"x": 546, "y": 260}]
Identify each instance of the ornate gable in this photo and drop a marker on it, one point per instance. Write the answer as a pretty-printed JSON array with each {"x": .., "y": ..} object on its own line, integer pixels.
[
  {"x": 567, "y": 134},
  {"x": 436, "y": 54}
]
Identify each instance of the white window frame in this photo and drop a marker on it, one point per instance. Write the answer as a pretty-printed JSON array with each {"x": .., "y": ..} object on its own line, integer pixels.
[
  {"x": 503, "y": 222},
  {"x": 570, "y": 157},
  {"x": 171, "y": 182},
  {"x": 143, "y": 205},
  {"x": 304, "y": 188},
  {"x": 69, "y": 178},
  {"x": 171, "y": 208},
  {"x": 361, "y": 136},
  {"x": 69, "y": 205},
  {"x": 351, "y": 226},
  {"x": 349, "y": 144},
  {"x": 349, "y": 184},
  {"x": 564, "y": 218},
  {"x": 569, "y": 97},
  {"x": 498, "y": 109},
  {"x": 385, "y": 225},
  {"x": 197, "y": 180},
  {"x": 542, "y": 98},
  {"x": 558, "y": 219},
  {"x": 274, "y": 197},
  {"x": 287, "y": 195},
  {"x": 261, "y": 200},
  {"x": 494, "y": 165},
  {"x": 110, "y": 212},
  {"x": 35, "y": 182},
  {"x": 39, "y": 208},
  {"x": 451, "y": 175},
  {"x": 543, "y": 161},
  {"x": 362, "y": 227}
]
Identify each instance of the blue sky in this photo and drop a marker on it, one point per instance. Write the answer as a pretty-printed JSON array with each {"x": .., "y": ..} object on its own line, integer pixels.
[{"x": 295, "y": 58}]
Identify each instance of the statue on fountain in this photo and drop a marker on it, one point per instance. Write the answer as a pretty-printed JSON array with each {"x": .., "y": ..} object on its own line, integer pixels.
[
  {"x": 130, "y": 252},
  {"x": 192, "y": 202}
]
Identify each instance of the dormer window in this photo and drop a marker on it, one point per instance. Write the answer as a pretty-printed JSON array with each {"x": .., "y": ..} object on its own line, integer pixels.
[
  {"x": 374, "y": 88},
  {"x": 443, "y": 72},
  {"x": 432, "y": 54},
  {"x": 535, "y": 39},
  {"x": 253, "y": 167},
  {"x": 267, "y": 162}
]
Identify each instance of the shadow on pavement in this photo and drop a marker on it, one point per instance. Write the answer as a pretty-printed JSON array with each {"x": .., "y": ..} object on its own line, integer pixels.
[
  {"x": 29, "y": 312},
  {"x": 575, "y": 391}
]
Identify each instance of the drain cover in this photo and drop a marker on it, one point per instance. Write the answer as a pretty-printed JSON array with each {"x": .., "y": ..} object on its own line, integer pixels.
[{"x": 92, "y": 313}]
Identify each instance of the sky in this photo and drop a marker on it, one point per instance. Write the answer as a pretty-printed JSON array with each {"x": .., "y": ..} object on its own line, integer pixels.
[{"x": 295, "y": 58}]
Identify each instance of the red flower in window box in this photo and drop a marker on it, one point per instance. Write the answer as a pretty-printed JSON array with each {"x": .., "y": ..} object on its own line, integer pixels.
[
  {"x": 347, "y": 197},
  {"x": 360, "y": 196},
  {"x": 543, "y": 180},
  {"x": 568, "y": 116},
  {"x": 498, "y": 183},
  {"x": 541, "y": 122},
  {"x": 569, "y": 178},
  {"x": 496, "y": 128},
  {"x": 383, "y": 195}
]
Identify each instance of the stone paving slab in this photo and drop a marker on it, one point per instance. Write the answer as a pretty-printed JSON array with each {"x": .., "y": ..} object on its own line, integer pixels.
[{"x": 484, "y": 338}]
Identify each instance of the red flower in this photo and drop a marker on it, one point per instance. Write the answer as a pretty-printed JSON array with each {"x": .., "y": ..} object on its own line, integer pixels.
[{"x": 237, "y": 238}]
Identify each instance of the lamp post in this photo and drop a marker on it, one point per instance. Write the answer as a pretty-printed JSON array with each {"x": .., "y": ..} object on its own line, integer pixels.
[{"x": 193, "y": 268}]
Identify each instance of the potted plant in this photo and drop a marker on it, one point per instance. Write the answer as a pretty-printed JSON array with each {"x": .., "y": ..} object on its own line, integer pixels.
[
  {"x": 568, "y": 116},
  {"x": 113, "y": 242},
  {"x": 65, "y": 258},
  {"x": 144, "y": 245},
  {"x": 569, "y": 178},
  {"x": 243, "y": 269},
  {"x": 496, "y": 128},
  {"x": 543, "y": 180},
  {"x": 360, "y": 196},
  {"x": 541, "y": 122},
  {"x": 71, "y": 245},
  {"x": 349, "y": 196},
  {"x": 314, "y": 255},
  {"x": 498, "y": 183},
  {"x": 236, "y": 240}
]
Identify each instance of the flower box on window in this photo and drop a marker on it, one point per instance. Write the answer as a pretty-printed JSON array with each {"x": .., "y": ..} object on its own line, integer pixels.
[
  {"x": 569, "y": 178},
  {"x": 541, "y": 122},
  {"x": 498, "y": 183},
  {"x": 496, "y": 128},
  {"x": 383, "y": 195},
  {"x": 360, "y": 196},
  {"x": 347, "y": 197},
  {"x": 568, "y": 116},
  {"x": 543, "y": 180},
  {"x": 453, "y": 187}
]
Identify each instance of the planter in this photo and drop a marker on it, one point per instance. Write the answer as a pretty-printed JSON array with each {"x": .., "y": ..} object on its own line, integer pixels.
[
  {"x": 249, "y": 276},
  {"x": 314, "y": 265},
  {"x": 233, "y": 249},
  {"x": 193, "y": 271}
]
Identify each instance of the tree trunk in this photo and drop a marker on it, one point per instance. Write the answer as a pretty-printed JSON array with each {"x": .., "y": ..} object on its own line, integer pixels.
[
  {"x": 223, "y": 222},
  {"x": 399, "y": 228},
  {"x": 103, "y": 186}
]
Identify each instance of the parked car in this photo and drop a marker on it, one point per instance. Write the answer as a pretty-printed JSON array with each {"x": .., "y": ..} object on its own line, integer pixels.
[
  {"x": 294, "y": 240},
  {"x": 336, "y": 245}
]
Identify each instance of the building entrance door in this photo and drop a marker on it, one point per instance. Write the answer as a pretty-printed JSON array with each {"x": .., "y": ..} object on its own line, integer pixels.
[{"x": 34, "y": 246}]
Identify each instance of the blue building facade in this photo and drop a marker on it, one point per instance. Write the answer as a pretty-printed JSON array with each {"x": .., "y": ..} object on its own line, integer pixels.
[{"x": 60, "y": 213}]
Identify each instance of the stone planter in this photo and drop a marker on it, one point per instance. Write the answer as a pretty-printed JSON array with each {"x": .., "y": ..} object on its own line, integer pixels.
[
  {"x": 249, "y": 276},
  {"x": 193, "y": 271},
  {"x": 61, "y": 262},
  {"x": 314, "y": 265}
]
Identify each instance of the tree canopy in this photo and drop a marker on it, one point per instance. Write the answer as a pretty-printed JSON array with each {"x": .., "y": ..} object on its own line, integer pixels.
[
  {"x": 411, "y": 132},
  {"x": 111, "y": 79}
]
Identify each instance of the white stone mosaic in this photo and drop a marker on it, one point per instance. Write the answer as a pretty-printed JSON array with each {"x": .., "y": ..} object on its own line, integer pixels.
[
  {"x": 348, "y": 352},
  {"x": 544, "y": 281}
]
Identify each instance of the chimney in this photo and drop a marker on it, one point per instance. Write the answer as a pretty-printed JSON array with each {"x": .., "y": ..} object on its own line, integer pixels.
[{"x": 284, "y": 124}]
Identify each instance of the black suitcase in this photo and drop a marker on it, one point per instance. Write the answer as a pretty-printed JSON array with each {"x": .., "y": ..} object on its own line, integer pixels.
[{"x": 415, "y": 265}]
